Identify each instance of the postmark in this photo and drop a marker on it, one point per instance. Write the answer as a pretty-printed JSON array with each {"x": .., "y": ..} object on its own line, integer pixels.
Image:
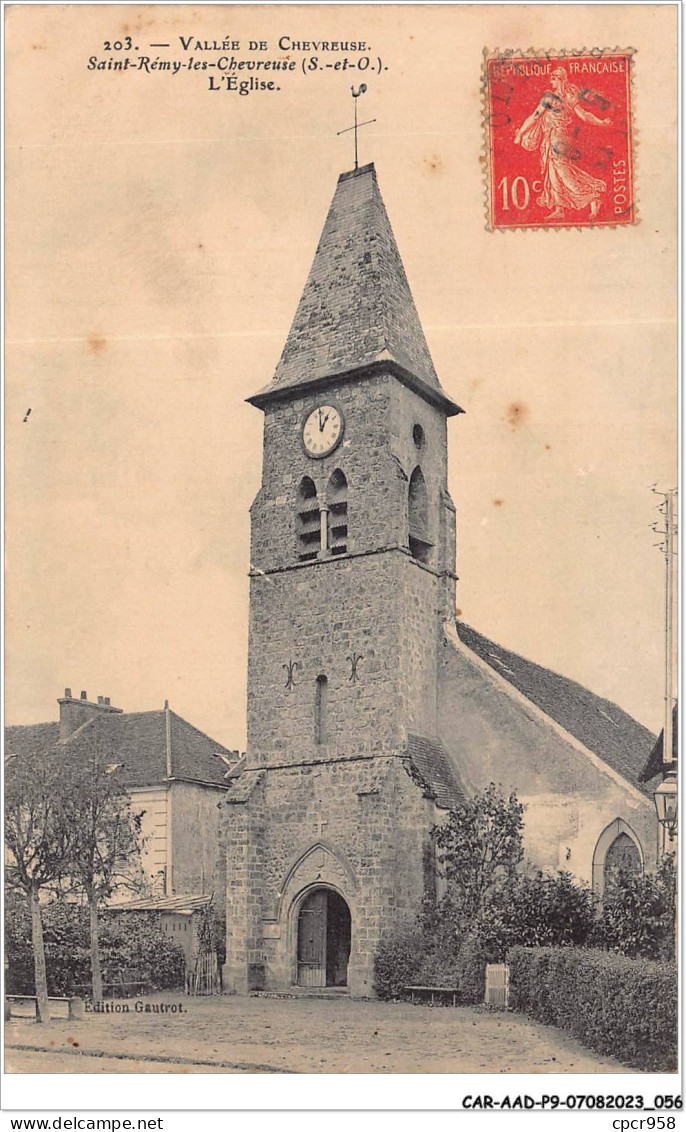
[{"x": 559, "y": 138}]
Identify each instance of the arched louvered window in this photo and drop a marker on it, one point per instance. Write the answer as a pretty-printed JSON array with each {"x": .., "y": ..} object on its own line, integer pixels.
[
  {"x": 337, "y": 500},
  {"x": 418, "y": 516},
  {"x": 321, "y": 704},
  {"x": 308, "y": 526}
]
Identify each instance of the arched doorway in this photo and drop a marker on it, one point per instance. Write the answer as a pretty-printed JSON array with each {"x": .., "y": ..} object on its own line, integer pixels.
[{"x": 323, "y": 939}]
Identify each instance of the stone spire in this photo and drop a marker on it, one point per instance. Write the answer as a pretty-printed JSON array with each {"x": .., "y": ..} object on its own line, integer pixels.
[{"x": 356, "y": 309}]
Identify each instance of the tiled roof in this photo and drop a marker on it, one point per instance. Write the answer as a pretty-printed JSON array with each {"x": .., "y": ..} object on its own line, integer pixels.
[
  {"x": 599, "y": 724},
  {"x": 356, "y": 308},
  {"x": 180, "y": 902},
  {"x": 430, "y": 759},
  {"x": 31, "y": 739},
  {"x": 242, "y": 787},
  {"x": 139, "y": 741},
  {"x": 655, "y": 765}
]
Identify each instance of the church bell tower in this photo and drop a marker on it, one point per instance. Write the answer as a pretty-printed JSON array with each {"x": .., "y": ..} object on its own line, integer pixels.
[{"x": 352, "y": 576}]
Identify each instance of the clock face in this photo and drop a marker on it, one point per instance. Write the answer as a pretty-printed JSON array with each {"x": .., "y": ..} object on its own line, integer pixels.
[{"x": 322, "y": 431}]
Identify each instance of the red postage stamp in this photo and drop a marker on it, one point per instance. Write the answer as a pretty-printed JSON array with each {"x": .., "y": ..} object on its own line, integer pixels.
[{"x": 559, "y": 139}]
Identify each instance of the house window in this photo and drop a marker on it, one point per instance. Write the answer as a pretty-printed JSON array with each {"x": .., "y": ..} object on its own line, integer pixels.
[
  {"x": 321, "y": 704},
  {"x": 418, "y": 517},
  {"x": 308, "y": 526},
  {"x": 337, "y": 500}
]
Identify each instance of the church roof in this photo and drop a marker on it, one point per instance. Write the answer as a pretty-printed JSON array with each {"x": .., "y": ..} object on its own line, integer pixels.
[
  {"x": 655, "y": 764},
  {"x": 430, "y": 759},
  {"x": 602, "y": 727},
  {"x": 136, "y": 739},
  {"x": 357, "y": 309}
]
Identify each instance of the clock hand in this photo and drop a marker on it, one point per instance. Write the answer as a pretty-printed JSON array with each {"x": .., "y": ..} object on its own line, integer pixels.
[{"x": 322, "y": 422}]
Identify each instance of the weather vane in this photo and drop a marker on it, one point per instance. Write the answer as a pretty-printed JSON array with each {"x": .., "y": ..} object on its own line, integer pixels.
[{"x": 358, "y": 125}]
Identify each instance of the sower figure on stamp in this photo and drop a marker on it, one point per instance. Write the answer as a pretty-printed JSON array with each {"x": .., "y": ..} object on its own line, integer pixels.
[{"x": 552, "y": 128}]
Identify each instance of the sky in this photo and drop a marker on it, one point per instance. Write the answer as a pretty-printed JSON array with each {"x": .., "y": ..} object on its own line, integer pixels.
[{"x": 159, "y": 237}]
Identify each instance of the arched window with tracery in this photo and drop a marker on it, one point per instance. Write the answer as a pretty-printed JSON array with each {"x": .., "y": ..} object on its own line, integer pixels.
[
  {"x": 418, "y": 517},
  {"x": 621, "y": 860},
  {"x": 618, "y": 853},
  {"x": 308, "y": 526},
  {"x": 337, "y": 500}
]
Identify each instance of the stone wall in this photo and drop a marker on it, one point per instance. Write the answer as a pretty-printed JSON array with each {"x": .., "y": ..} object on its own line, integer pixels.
[
  {"x": 360, "y": 827},
  {"x": 375, "y": 602}
]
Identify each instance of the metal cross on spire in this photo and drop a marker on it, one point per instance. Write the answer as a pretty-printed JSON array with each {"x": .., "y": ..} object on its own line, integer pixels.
[{"x": 357, "y": 125}]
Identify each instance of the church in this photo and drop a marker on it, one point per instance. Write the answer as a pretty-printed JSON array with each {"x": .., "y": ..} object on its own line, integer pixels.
[{"x": 371, "y": 709}]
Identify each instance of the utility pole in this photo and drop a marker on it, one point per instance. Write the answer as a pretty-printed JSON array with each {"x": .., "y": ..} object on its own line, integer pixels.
[
  {"x": 668, "y": 510},
  {"x": 670, "y": 533},
  {"x": 667, "y": 545}
]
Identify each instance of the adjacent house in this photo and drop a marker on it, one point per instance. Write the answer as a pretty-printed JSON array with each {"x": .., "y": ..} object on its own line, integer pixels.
[{"x": 175, "y": 775}]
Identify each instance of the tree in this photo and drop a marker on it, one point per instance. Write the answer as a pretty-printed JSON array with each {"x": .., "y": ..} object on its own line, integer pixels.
[
  {"x": 106, "y": 845},
  {"x": 39, "y": 839},
  {"x": 479, "y": 849}
]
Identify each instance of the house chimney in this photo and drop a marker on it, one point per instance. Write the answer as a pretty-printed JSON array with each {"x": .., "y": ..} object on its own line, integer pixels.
[{"x": 75, "y": 712}]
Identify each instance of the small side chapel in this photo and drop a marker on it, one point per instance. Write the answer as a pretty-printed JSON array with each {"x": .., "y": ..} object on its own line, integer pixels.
[{"x": 371, "y": 710}]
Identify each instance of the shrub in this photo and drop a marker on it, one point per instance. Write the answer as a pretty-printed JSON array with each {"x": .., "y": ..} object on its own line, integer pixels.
[
  {"x": 137, "y": 941},
  {"x": 638, "y": 914},
  {"x": 615, "y": 1005},
  {"x": 416, "y": 957},
  {"x": 538, "y": 911},
  {"x": 470, "y": 969},
  {"x": 397, "y": 963},
  {"x": 128, "y": 940}
]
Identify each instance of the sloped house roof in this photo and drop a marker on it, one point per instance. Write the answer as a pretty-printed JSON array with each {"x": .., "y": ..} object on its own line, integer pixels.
[
  {"x": 432, "y": 762},
  {"x": 153, "y": 746}
]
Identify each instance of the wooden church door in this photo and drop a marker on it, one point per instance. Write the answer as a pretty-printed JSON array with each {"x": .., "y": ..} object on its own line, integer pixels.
[{"x": 312, "y": 940}]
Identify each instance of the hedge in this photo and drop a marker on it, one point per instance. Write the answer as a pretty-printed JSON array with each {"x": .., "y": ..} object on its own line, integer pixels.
[
  {"x": 128, "y": 940},
  {"x": 625, "y": 1008}
]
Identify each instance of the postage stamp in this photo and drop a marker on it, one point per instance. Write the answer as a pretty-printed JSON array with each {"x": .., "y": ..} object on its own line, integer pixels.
[{"x": 559, "y": 139}]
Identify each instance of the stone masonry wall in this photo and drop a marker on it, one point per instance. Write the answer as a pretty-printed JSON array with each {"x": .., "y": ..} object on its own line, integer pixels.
[
  {"x": 360, "y": 826},
  {"x": 375, "y": 601}
]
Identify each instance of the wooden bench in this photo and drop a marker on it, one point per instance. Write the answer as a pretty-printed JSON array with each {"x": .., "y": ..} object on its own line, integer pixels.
[
  {"x": 125, "y": 985},
  {"x": 73, "y": 1011},
  {"x": 433, "y": 991}
]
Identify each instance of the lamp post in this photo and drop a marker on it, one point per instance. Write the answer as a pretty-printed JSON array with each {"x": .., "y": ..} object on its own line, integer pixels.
[{"x": 667, "y": 806}]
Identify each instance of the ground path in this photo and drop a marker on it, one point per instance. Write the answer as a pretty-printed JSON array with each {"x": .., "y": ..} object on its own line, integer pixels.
[{"x": 298, "y": 1036}]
